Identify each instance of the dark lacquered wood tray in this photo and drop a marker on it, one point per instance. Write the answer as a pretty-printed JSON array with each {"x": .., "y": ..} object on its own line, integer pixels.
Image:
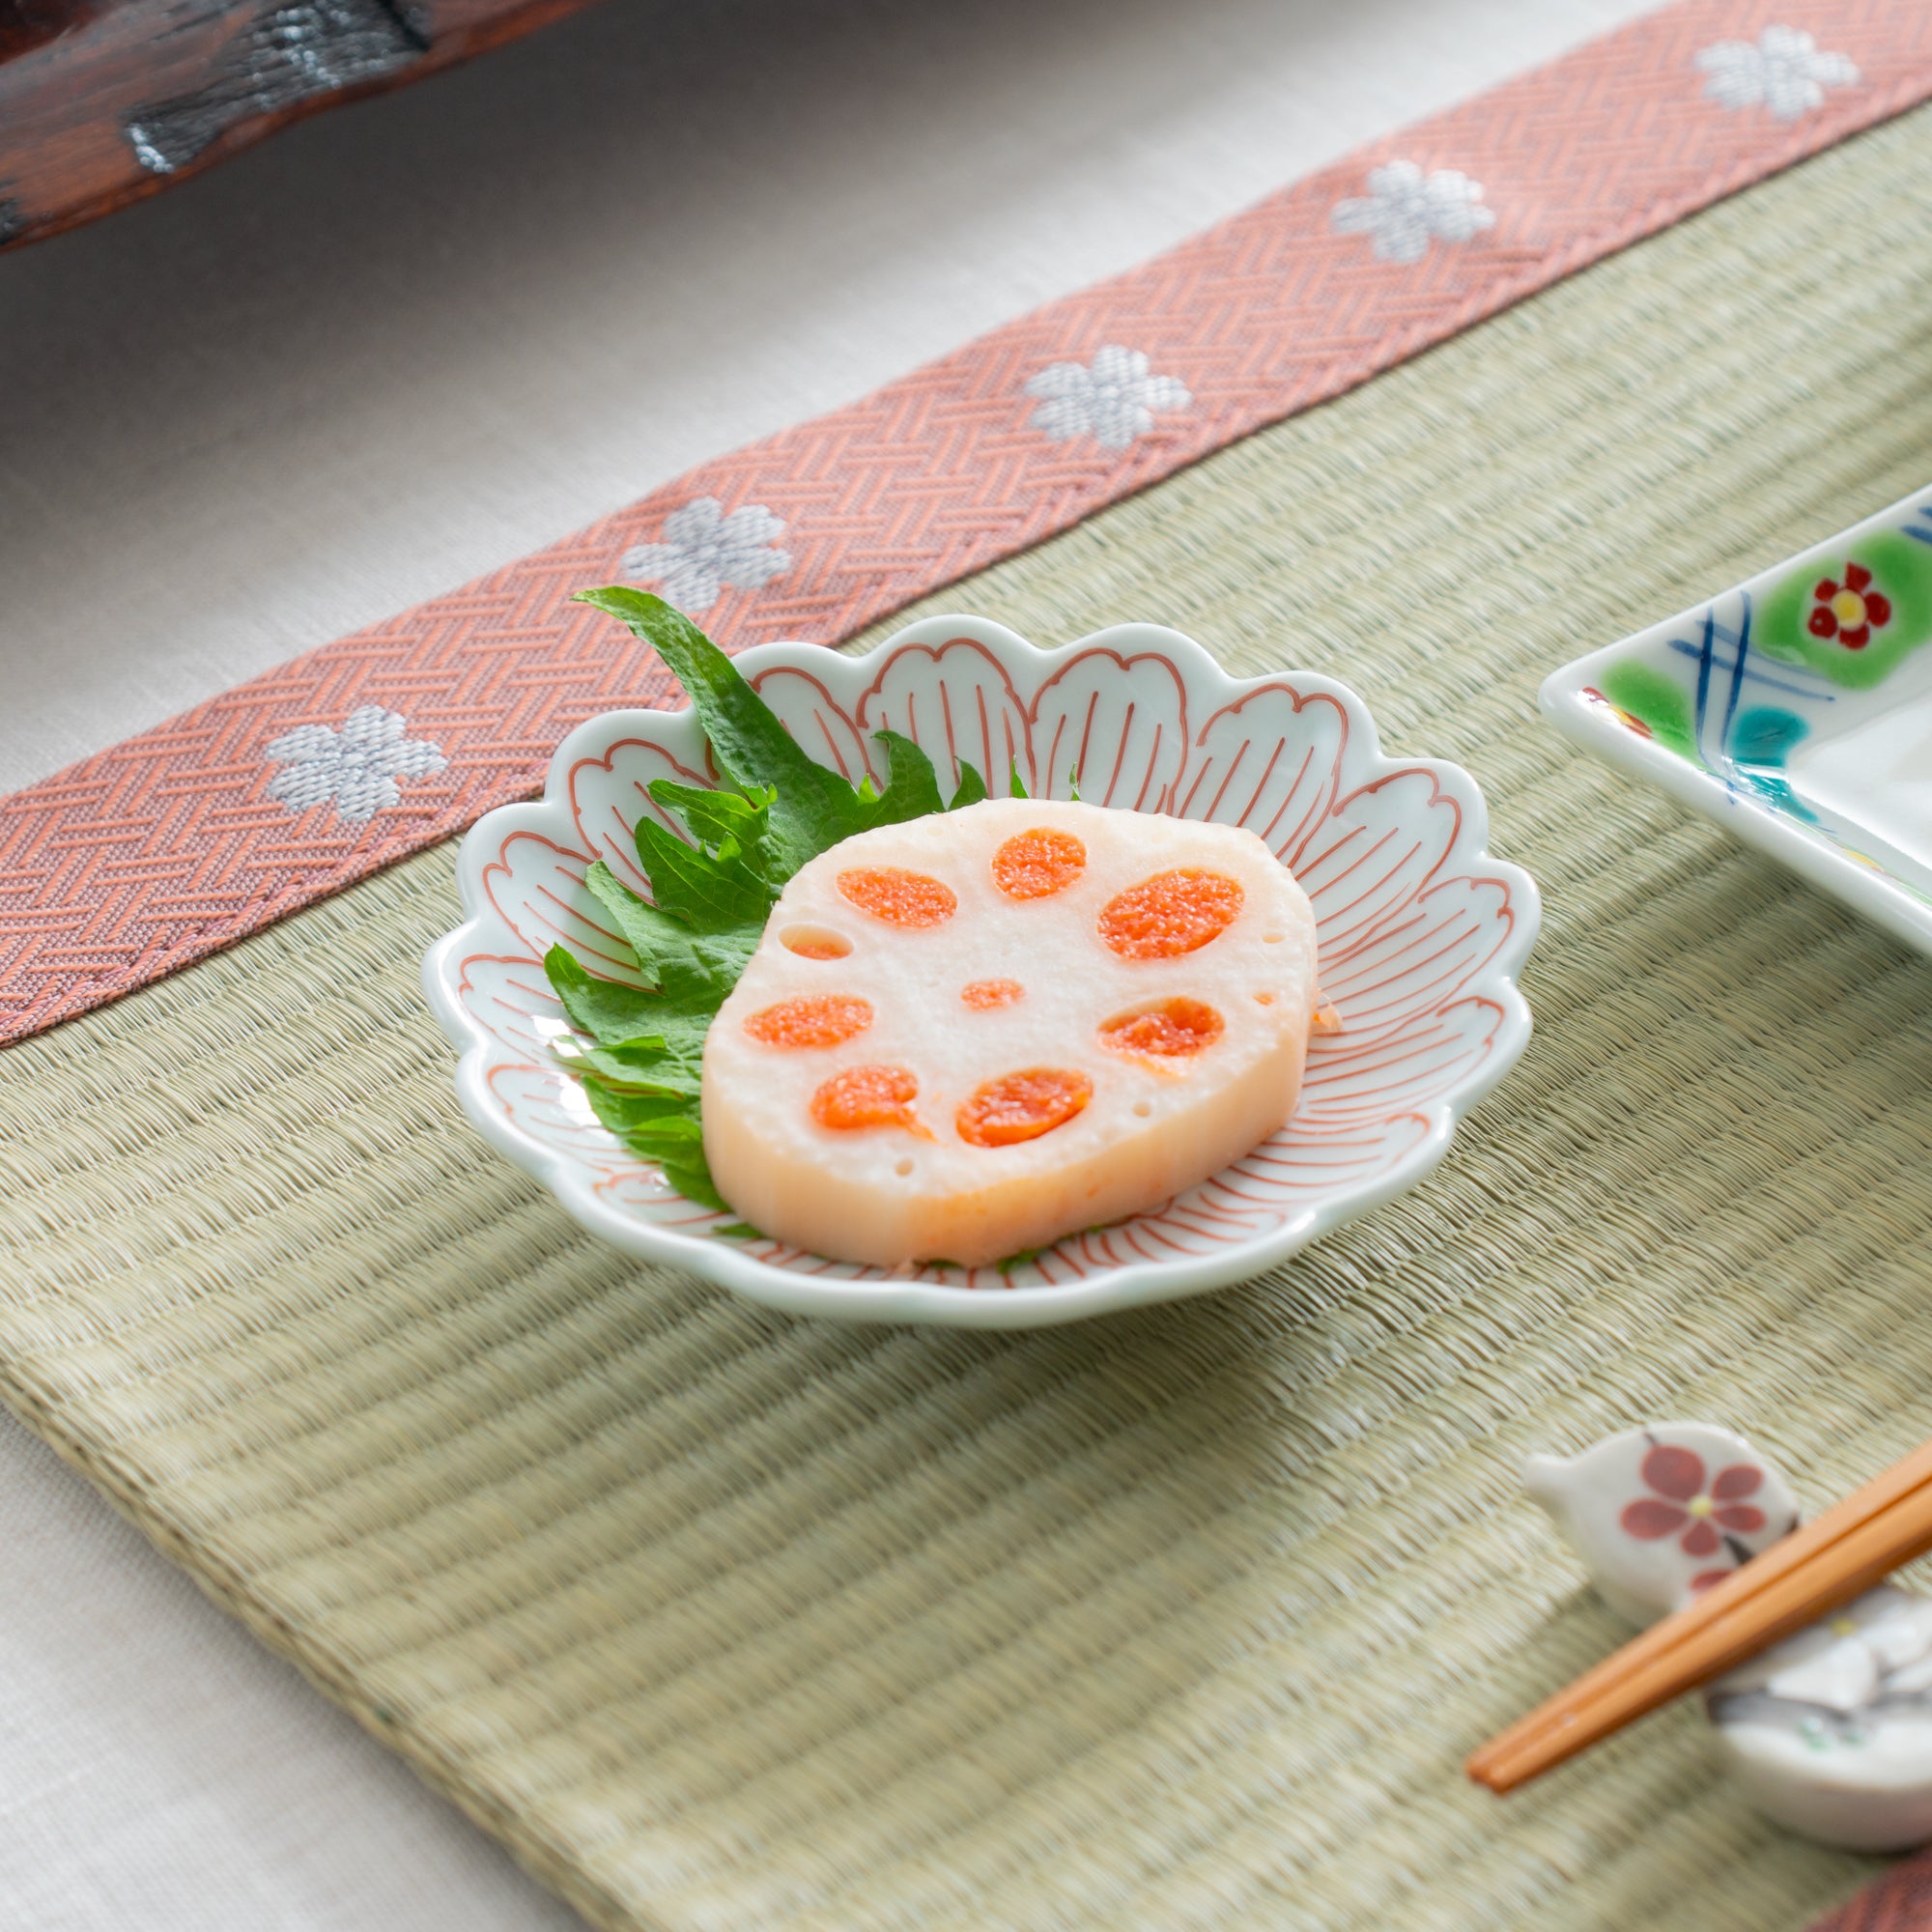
[{"x": 102, "y": 101}]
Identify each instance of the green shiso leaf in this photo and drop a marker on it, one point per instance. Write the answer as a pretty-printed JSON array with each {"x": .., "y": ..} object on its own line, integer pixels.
[
  {"x": 971, "y": 787},
  {"x": 812, "y": 808},
  {"x": 693, "y": 971},
  {"x": 601, "y": 1008},
  {"x": 719, "y": 817},
  {"x": 912, "y": 786},
  {"x": 642, "y": 1116},
  {"x": 638, "y": 1067},
  {"x": 709, "y": 892},
  {"x": 692, "y": 1179},
  {"x": 1015, "y": 784},
  {"x": 709, "y": 899}
]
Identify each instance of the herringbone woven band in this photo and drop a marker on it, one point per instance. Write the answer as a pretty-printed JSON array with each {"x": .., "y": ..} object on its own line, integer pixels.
[
  {"x": 1900, "y": 1902},
  {"x": 179, "y": 842},
  {"x": 1170, "y": 1622}
]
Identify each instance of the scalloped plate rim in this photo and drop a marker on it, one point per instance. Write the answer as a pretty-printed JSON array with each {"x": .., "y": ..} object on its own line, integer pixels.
[{"x": 1126, "y": 1285}]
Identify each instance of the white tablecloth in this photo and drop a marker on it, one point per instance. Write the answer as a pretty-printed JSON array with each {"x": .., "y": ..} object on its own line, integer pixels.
[{"x": 394, "y": 347}]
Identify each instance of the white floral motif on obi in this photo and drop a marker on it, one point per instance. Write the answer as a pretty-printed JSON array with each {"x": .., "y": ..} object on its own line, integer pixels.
[
  {"x": 1404, "y": 211},
  {"x": 1782, "y": 71},
  {"x": 356, "y": 767},
  {"x": 701, "y": 553},
  {"x": 1113, "y": 398}
]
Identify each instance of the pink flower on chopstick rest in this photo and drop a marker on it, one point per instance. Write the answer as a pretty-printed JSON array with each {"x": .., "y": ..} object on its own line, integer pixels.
[
  {"x": 1651, "y": 1522},
  {"x": 1683, "y": 1502}
]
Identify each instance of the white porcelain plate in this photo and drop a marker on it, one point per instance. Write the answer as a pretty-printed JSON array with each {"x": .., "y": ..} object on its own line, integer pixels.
[
  {"x": 1796, "y": 710},
  {"x": 1421, "y": 935}
]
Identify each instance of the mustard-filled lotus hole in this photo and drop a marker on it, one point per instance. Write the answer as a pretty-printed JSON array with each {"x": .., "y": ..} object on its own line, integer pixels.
[{"x": 1156, "y": 981}]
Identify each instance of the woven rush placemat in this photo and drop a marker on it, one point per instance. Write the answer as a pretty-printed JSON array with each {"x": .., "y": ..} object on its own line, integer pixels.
[{"x": 1180, "y": 1619}]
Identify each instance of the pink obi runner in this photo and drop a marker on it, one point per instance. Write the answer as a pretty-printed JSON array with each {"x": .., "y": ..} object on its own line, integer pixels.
[{"x": 181, "y": 840}]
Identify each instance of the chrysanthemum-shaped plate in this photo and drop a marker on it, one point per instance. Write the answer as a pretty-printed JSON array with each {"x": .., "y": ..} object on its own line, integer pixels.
[{"x": 1421, "y": 935}]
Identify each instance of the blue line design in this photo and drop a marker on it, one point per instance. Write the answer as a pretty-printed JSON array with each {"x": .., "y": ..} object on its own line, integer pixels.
[
  {"x": 1729, "y": 652},
  {"x": 1811, "y": 692},
  {"x": 1704, "y": 680},
  {"x": 1755, "y": 771},
  {"x": 1922, "y": 531},
  {"x": 1737, "y": 668}
]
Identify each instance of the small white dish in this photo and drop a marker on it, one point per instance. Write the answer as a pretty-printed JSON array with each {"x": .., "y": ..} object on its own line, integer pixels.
[
  {"x": 1796, "y": 710},
  {"x": 1829, "y": 1732},
  {"x": 1421, "y": 931}
]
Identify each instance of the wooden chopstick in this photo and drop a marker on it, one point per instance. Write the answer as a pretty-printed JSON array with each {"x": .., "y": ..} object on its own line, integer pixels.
[
  {"x": 1801, "y": 1597},
  {"x": 1805, "y": 1576},
  {"x": 1792, "y": 1552}
]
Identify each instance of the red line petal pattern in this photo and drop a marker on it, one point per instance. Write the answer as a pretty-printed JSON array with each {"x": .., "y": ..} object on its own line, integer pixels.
[{"x": 1420, "y": 931}]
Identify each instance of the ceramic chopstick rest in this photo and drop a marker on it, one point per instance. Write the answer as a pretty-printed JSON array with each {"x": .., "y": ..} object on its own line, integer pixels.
[
  {"x": 1658, "y": 1514},
  {"x": 1829, "y": 1732}
]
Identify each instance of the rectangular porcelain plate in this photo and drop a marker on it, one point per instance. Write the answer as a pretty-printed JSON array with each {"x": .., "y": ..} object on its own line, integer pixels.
[{"x": 1796, "y": 710}]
